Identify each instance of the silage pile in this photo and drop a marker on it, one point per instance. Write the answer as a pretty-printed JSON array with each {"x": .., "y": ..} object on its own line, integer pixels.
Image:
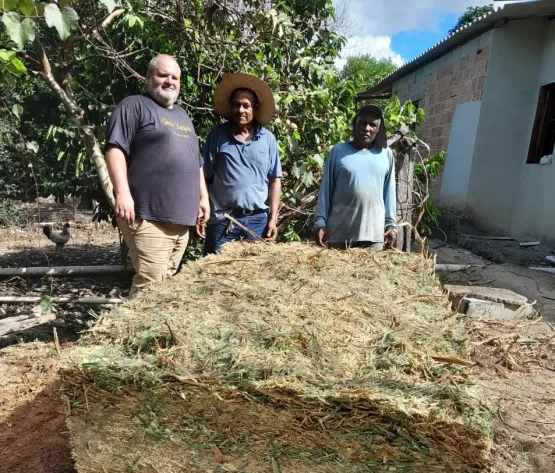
[{"x": 281, "y": 358}]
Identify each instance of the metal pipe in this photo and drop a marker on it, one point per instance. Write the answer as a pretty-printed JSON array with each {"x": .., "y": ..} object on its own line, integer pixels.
[{"x": 63, "y": 271}]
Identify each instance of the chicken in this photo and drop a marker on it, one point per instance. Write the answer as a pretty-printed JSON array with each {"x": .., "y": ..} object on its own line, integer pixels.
[{"x": 59, "y": 238}]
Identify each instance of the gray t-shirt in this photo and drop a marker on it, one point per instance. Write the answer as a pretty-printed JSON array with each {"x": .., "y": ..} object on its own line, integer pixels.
[{"x": 163, "y": 159}]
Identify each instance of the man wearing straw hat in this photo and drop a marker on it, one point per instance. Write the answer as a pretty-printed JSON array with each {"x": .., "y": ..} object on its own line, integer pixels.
[
  {"x": 357, "y": 203},
  {"x": 241, "y": 164}
]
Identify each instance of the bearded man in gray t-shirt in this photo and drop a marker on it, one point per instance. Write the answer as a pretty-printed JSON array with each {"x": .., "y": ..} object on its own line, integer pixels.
[{"x": 155, "y": 166}]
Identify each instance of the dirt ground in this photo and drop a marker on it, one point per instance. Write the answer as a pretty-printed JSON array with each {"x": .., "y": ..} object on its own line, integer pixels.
[
  {"x": 33, "y": 433},
  {"x": 514, "y": 360},
  {"x": 90, "y": 245}
]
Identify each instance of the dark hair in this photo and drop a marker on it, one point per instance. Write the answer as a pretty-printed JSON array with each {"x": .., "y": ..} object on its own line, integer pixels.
[
  {"x": 243, "y": 89},
  {"x": 374, "y": 110},
  {"x": 369, "y": 110}
]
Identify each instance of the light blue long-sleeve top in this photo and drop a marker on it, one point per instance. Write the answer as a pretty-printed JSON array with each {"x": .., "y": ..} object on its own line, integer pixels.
[{"x": 357, "y": 199}]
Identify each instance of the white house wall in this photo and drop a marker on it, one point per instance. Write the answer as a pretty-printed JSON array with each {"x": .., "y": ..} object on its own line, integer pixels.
[
  {"x": 441, "y": 86},
  {"x": 456, "y": 176},
  {"x": 535, "y": 206},
  {"x": 501, "y": 183}
]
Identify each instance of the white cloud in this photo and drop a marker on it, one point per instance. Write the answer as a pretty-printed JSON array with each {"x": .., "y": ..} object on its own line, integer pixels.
[
  {"x": 378, "y": 46},
  {"x": 370, "y": 24},
  {"x": 385, "y": 18}
]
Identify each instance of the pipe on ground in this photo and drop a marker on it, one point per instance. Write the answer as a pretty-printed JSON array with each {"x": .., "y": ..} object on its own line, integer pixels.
[
  {"x": 457, "y": 267},
  {"x": 58, "y": 271},
  {"x": 61, "y": 300}
]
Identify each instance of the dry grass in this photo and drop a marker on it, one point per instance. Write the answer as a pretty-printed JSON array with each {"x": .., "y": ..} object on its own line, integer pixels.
[{"x": 285, "y": 358}]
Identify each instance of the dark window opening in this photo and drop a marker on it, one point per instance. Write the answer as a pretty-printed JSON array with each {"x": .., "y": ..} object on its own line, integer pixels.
[{"x": 543, "y": 134}]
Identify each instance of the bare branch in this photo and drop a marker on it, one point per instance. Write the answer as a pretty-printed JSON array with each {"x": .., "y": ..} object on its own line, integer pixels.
[
  {"x": 46, "y": 72},
  {"x": 111, "y": 17},
  {"x": 95, "y": 32}
]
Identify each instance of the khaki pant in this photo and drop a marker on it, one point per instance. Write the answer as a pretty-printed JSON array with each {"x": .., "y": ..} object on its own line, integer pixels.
[{"x": 155, "y": 250}]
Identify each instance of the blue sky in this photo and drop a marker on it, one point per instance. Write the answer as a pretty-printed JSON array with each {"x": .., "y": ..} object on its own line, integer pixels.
[
  {"x": 397, "y": 29},
  {"x": 412, "y": 43}
]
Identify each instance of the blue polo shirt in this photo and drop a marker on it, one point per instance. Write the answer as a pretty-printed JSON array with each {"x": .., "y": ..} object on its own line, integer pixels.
[{"x": 238, "y": 173}]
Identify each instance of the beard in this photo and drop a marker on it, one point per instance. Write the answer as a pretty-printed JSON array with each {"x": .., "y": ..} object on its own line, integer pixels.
[{"x": 166, "y": 98}]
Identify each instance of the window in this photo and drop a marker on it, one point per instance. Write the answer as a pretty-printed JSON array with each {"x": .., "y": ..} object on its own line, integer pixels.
[{"x": 543, "y": 134}]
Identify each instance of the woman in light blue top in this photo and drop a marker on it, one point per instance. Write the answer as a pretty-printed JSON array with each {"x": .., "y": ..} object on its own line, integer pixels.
[{"x": 357, "y": 203}]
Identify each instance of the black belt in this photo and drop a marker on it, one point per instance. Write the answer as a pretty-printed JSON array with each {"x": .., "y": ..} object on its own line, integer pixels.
[{"x": 247, "y": 212}]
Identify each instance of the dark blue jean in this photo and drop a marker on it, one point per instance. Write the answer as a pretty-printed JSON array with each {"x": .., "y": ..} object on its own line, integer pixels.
[{"x": 217, "y": 235}]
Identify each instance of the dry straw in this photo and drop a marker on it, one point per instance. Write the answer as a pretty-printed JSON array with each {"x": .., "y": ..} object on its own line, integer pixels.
[{"x": 280, "y": 358}]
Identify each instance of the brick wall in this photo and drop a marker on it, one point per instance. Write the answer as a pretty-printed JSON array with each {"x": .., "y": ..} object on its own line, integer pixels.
[{"x": 440, "y": 88}]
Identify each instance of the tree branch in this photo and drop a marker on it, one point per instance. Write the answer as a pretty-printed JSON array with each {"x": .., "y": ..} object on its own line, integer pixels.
[
  {"x": 46, "y": 72},
  {"x": 111, "y": 17},
  {"x": 71, "y": 105},
  {"x": 95, "y": 32}
]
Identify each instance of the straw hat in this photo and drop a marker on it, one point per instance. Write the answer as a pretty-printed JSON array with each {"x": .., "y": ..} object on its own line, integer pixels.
[{"x": 225, "y": 88}]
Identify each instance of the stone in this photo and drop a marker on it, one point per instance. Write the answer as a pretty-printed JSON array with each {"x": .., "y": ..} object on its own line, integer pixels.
[{"x": 488, "y": 302}]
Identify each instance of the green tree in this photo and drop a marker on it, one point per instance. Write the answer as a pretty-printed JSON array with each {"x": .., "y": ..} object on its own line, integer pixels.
[
  {"x": 366, "y": 71},
  {"x": 89, "y": 54},
  {"x": 71, "y": 61},
  {"x": 471, "y": 14}
]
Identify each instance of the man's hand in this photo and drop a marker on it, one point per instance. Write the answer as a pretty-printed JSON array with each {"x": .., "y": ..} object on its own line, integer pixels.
[
  {"x": 322, "y": 237},
  {"x": 125, "y": 207},
  {"x": 389, "y": 239},
  {"x": 271, "y": 233},
  {"x": 203, "y": 217}
]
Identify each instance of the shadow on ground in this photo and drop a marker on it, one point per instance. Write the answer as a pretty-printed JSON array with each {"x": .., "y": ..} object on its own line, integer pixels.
[{"x": 35, "y": 438}]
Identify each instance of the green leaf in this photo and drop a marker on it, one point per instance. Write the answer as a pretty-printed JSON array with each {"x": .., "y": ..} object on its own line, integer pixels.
[
  {"x": 18, "y": 65},
  {"x": 9, "y": 5},
  {"x": 318, "y": 160},
  {"x": 46, "y": 304},
  {"x": 27, "y": 7},
  {"x": 109, "y": 4},
  {"x": 19, "y": 32},
  {"x": 40, "y": 8},
  {"x": 32, "y": 146},
  {"x": 6, "y": 55},
  {"x": 64, "y": 21},
  {"x": 17, "y": 110},
  {"x": 132, "y": 20},
  {"x": 8, "y": 79}
]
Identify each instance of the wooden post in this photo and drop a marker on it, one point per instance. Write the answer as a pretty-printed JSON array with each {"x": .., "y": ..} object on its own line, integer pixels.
[
  {"x": 402, "y": 144},
  {"x": 404, "y": 170}
]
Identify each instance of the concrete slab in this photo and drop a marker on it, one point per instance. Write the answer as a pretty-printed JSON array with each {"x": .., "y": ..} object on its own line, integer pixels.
[
  {"x": 488, "y": 302},
  {"x": 492, "y": 310},
  {"x": 493, "y": 294}
]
